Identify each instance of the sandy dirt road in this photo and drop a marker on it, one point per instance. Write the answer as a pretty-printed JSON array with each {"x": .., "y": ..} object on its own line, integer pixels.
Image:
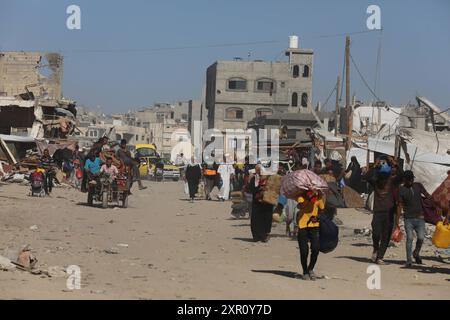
[{"x": 179, "y": 250}]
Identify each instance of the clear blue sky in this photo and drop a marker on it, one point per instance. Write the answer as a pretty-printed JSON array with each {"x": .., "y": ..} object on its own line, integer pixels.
[{"x": 415, "y": 44}]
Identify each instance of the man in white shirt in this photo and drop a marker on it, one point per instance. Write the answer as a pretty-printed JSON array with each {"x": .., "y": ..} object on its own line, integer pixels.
[{"x": 226, "y": 171}]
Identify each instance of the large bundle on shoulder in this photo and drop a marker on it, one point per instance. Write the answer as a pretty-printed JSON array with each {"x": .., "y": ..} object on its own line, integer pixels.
[
  {"x": 272, "y": 189},
  {"x": 296, "y": 183}
]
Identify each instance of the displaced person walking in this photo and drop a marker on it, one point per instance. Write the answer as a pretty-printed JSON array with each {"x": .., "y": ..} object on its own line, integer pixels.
[
  {"x": 226, "y": 171},
  {"x": 210, "y": 178},
  {"x": 193, "y": 175},
  {"x": 384, "y": 204},
  {"x": 410, "y": 200},
  {"x": 48, "y": 163},
  {"x": 261, "y": 213},
  {"x": 310, "y": 206},
  {"x": 353, "y": 172}
]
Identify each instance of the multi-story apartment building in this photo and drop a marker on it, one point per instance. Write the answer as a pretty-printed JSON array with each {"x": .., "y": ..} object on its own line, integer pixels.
[{"x": 238, "y": 91}]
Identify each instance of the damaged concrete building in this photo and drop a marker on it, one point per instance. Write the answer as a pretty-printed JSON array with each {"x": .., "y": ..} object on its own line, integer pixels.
[{"x": 31, "y": 101}]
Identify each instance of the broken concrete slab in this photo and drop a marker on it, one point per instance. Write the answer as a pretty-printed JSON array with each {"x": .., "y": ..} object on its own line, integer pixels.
[{"x": 6, "y": 265}]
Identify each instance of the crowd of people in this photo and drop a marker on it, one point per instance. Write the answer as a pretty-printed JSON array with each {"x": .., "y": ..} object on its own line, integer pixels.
[
  {"x": 395, "y": 192},
  {"x": 395, "y": 195},
  {"x": 79, "y": 166}
]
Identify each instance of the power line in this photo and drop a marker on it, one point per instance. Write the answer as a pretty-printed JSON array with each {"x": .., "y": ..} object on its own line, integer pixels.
[
  {"x": 331, "y": 93},
  {"x": 206, "y": 46},
  {"x": 389, "y": 106},
  {"x": 173, "y": 48},
  {"x": 347, "y": 34}
]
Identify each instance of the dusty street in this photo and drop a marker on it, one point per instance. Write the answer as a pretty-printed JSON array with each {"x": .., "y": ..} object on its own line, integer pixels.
[{"x": 164, "y": 247}]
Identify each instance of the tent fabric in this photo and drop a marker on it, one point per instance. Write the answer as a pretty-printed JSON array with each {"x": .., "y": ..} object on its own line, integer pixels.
[
  {"x": 361, "y": 155},
  {"x": 428, "y": 165}
]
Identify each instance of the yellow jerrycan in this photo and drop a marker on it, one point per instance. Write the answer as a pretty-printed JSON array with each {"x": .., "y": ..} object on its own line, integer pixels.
[{"x": 441, "y": 237}]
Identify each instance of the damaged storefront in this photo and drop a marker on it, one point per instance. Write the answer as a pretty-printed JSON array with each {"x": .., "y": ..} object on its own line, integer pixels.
[{"x": 53, "y": 119}]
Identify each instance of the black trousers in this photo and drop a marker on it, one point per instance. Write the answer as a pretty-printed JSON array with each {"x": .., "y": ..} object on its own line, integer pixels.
[
  {"x": 261, "y": 220},
  {"x": 48, "y": 181},
  {"x": 304, "y": 237},
  {"x": 84, "y": 181},
  {"x": 193, "y": 187},
  {"x": 209, "y": 186},
  {"x": 381, "y": 232}
]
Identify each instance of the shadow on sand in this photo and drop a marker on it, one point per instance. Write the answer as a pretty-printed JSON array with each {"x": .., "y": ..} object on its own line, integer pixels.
[
  {"x": 245, "y": 239},
  {"x": 287, "y": 274},
  {"x": 419, "y": 268},
  {"x": 99, "y": 205},
  {"x": 361, "y": 244},
  {"x": 241, "y": 225}
]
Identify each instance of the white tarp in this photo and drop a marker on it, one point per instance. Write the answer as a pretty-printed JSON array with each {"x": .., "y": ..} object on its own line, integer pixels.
[
  {"x": 430, "y": 175},
  {"x": 327, "y": 136},
  {"x": 365, "y": 116},
  {"x": 429, "y": 167},
  {"x": 361, "y": 156}
]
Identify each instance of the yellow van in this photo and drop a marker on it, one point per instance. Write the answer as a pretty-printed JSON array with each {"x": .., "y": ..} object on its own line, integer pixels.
[{"x": 147, "y": 154}]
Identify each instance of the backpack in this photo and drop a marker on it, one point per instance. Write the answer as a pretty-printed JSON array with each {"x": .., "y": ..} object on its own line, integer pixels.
[{"x": 328, "y": 234}]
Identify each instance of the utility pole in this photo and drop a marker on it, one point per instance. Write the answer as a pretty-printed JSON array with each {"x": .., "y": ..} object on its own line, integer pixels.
[
  {"x": 348, "y": 107},
  {"x": 338, "y": 113}
]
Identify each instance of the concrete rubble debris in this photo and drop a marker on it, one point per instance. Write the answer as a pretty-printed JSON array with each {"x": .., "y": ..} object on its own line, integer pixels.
[
  {"x": 26, "y": 260},
  {"x": 111, "y": 251},
  {"x": 18, "y": 177},
  {"x": 56, "y": 272},
  {"x": 366, "y": 232},
  {"x": 6, "y": 265}
]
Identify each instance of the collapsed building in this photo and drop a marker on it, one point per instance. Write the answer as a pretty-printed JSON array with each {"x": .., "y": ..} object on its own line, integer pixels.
[
  {"x": 31, "y": 102},
  {"x": 418, "y": 136},
  {"x": 33, "y": 111}
]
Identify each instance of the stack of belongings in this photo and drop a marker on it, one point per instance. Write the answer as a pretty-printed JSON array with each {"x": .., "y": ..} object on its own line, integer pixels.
[
  {"x": 124, "y": 172},
  {"x": 271, "y": 194},
  {"x": 110, "y": 154},
  {"x": 272, "y": 189},
  {"x": 239, "y": 205},
  {"x": 297, "y": 183},
  {"x": 441, "y": 196},
  {"x": 352, "y": 198}
]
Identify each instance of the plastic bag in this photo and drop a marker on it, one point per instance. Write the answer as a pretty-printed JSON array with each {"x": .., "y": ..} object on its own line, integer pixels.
[{"x": 397, "y": 235}]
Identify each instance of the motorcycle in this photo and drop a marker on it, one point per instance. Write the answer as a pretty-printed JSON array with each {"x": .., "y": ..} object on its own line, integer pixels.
[
  {"x": 106, "y": 190},
  {"x": 159, "y": 174}
]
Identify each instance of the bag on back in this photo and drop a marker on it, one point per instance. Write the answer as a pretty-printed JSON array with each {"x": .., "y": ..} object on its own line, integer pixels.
[{"x": 328, "y": 234}]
